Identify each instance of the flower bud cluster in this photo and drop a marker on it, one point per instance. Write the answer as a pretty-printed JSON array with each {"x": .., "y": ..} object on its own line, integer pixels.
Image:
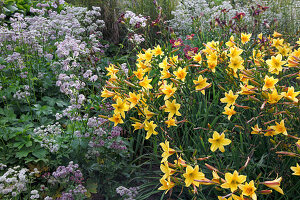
[
  {"x": 69, "y": 85},
  {"x": 136, "y": 38},
  {"x": 89, "y": 75},
  {"x": 34, "y": 194},
  {"x": 127, "y": 193},
  {"x": 46, "y": 136},
  {"x": 22, "y": 94},
  {"x": 135, "y": 20},
  {"x": 74, "y": 177},
  {"x": 13, "y": 181}
]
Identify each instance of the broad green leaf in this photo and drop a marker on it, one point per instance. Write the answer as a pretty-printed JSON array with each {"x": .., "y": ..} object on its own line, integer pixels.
[
  {"x": 40, "y": 153},
  {"x": 12, "y": 8},
  {"x": 23, "y": 153}
]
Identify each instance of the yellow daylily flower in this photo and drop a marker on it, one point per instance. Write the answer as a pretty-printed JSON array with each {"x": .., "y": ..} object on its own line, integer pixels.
[
  {"x": 167, "y": 151},
  {"x": 260, "y": 36},
  {"x": 137, "y": 126},
  {"x": 246, "y": 89},
  {"x": 121, "y": 107},
  {"x": 229, "y": 111},
  {"x": 139, "y": 73},
  {"x": 285, "y": 50},
  {"x": 169, "y": 91},
  {"x": 211, "y": 64},
  {"x": 164, "y": 64},
  {"x": 270, "y": 132},
  {"x": 236, "y": 63},
  {"x": 201, "y": 83},
  {"x": 134, "y": 98},
  {"x": 276, "y": 34},
  {"x": 148, "y": 55},
  {"x": 274, "y": 97},
  {"x": 105, "y": 93},
  {"x": 165, "y": 74},
  {"x": 111, "y": 70},
  {"x": 279, "y": 128},
  {"x": 233, "y": 180},
  {"x": 277, "y": 42},
  {"x": 296, "y": 170},
  {"x": 117, "y": 119},
  {"x": 230, "y": 43},
  {"x": 213, "y": 57},
  {"x": 157, "y": 51},
  {"x": 148, "y": 114},
  {"x": 180, "y": 73},
  {"x": 180, "y": 162},
  {"x": 269, "y": 83},
  {"x": 150, "y": 128},
  {"x": 216, "y": 177},
  {"x": 294, "y": 59},
  {"x": 172, "y": 108},
  {"x": 173, "y": 60},
  {"x": 249, "y": 190},
  {"x": 256, "y": 130},
  {"x": 218, "y": 142},
  {"x": 198, "y": 58},
  {"x": 171, "y": 122},
  {"x": 275, "y": 185},
  {"x": 229, "y": 98},
  {"x": 191, "y": 176},
  {"x": 235, "y": 52},
  {"x": 166, "y": 170},
  {"x": 245, "y": 37},
  {"x": 275, "y": 64},
  {"x": 166, "y": 185},
  {"x": 145, "y": 83},
  {"x": 140, "y": 56},
  {"x": 291, "y": 94}
]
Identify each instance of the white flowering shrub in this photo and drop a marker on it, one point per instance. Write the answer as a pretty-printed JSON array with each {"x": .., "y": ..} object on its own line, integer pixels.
[
  {"x": 205, "y": 13},
  {"x": 13, "y": 181},
  {"x": 134, "y": 24}
]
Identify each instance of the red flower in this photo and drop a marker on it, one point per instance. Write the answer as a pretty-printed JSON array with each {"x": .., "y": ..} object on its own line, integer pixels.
[
  {"x": 190, "y": 37},
  {"x": 177, "y": 43},
  {"x": 239, "y": 16},
  {"x": 189, "y": 52},
  {"x": 264, "y": 8}
]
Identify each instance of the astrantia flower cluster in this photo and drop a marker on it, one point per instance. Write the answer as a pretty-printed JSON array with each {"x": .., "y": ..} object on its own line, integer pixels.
[
  {"x": 22, "y": 95},
  {"x": 73, "y": 176},
  {"x": 127, "y": 193},
  {"x": 135, "y": 20},
  {"x": 14, "y": 181},
  {"x": 133, "y": 24},
  {"x": 102, "y": 139},
  {"x": 47, "y": 136}
]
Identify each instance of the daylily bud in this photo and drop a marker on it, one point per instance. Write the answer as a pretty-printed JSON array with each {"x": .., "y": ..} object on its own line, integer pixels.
[
  {"x": 128, "y": 83},
  {"x": 205, "y": 182},
  {"x": 102, "y": 116},
  {"x": 175, "y": 50},
  {"x": 287, "y": 153},
  {"x": 275, "y": 185},
  {"x": 212, "y": 168},
  {"x": 205, "y": 158},
  {"x": 265, "y": 192}
]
